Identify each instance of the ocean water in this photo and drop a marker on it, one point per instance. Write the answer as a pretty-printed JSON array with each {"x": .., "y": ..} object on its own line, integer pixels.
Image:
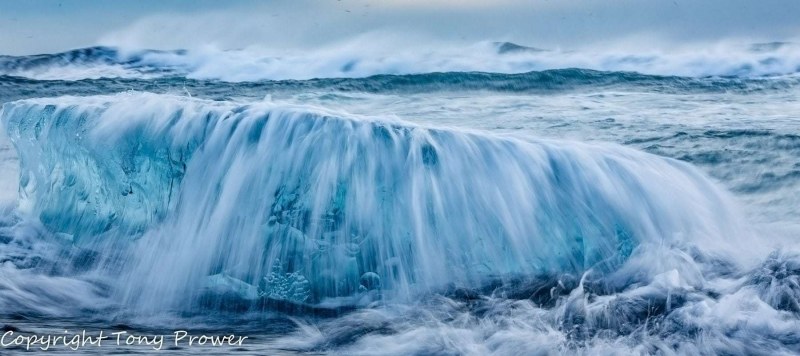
[{"x": 492, "y": 199}]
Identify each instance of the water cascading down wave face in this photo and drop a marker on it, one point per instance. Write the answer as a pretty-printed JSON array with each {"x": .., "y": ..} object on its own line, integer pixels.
[{"x": 210, "y": 201}]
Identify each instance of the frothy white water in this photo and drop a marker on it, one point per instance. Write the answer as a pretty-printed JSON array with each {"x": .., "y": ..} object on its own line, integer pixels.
[
  {"x": 267, "y": 201},
  {"x": 9, "y": 179},
  {"x": 667, "y": 315},
  {"x": 359, "y": 59},
  {"x": 448, "y": 240},
  {"x": 372, "y": 55}
]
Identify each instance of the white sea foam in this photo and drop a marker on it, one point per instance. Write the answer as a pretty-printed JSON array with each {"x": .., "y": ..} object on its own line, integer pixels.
[
  {"x": 196, "y": 183},
  {"x": 368, "y": 197},
  {"x": 372, "y": 55}
]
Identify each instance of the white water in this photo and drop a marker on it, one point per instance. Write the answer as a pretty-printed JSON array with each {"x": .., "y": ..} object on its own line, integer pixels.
[
  {"x": 230, "y": 189},
  {"x": 682, "y": 290},
  {"x": 368, "y": 55},
  {"x": 9, "y": 165}
]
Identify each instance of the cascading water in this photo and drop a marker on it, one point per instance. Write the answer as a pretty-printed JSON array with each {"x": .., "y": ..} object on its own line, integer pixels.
[{"x": 208, "y": 204}]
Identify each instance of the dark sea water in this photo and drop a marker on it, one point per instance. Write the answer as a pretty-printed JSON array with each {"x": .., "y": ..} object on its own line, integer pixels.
[{"x": 497, "y": 199}]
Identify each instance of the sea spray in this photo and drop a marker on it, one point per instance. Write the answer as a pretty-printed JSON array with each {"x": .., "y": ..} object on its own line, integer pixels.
[{"x": 329, "y": 205}]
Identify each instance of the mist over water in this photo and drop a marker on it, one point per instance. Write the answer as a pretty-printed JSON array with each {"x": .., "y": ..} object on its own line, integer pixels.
[
  {"x": 372, "y": 55},
  {"x": 10, "y": 167},
  {"x": 360, "y": 199}
]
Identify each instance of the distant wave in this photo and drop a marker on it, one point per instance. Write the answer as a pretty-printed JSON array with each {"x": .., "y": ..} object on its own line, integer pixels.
[{"x": 766, "y": 59}]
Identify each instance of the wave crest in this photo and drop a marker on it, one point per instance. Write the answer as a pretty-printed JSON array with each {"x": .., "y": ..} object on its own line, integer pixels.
[
  {"x": 338, "y": 207},
  {"x": 347, "y": 61}
]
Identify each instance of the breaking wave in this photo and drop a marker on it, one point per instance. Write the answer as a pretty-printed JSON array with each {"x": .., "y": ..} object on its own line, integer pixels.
[
  {"x": 143, "y": 204},
  {"x": 355, "y": 61}
]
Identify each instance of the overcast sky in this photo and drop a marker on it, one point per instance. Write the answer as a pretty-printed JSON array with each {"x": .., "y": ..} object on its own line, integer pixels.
[{"x": 42, "y": 26}]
